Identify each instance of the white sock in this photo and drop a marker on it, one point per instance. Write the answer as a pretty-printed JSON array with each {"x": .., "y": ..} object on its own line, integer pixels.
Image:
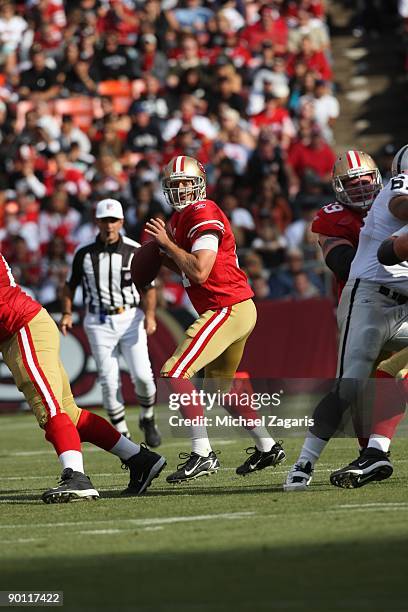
[
  {"x": 263, "y": 440},
  {"x": 200, "y": 445},
  {"x": 312, "y": 449},
  {"x": 146, "y": 413},
  {"x": 72, "y": 459},
  {"x": 379, "y": 442},
  {"x": 124, "y": 448}
]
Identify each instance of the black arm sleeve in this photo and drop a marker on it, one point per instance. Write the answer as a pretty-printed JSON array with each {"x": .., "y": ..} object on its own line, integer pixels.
[
  {"x": 386, "y": 254},
  {"x": 339, "y": 260}
]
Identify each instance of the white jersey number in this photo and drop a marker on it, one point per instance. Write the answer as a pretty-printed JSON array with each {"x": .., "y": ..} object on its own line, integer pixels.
[{"x": 331, "y": 208}]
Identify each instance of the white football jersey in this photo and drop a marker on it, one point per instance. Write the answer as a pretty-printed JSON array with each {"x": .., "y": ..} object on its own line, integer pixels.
[{"x": 379, "y": 224}]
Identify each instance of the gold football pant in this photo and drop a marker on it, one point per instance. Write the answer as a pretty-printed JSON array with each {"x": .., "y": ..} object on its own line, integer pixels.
[
  {"x": 396, "y": 365},
  {"x": 32, "y": 355},
  {"x": 215, "y": 341}
]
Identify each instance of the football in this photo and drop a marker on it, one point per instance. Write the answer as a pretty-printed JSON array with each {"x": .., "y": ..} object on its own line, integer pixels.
[{"x": 146, "y": 264}]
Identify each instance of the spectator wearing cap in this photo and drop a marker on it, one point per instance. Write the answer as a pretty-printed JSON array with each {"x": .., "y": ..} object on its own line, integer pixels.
[
  {"x": 63, "y": 174},
  {"x": 181, "y": 58},
  {"x": 385, "y": 156},
  {"x": 144, "y": 135},
  {"x": 235, "y": 140},
  {"x": 151, "y": 59},
  {"x": 38, "y": 82},
  {"x": 113, "y": 62}
]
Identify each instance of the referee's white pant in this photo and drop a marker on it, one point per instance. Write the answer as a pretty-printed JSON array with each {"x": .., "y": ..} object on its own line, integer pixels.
[{"x": 121, "y": 334}]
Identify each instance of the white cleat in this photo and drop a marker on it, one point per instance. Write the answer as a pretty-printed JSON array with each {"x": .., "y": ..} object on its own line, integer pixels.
[{"x": 299, "y": 477}]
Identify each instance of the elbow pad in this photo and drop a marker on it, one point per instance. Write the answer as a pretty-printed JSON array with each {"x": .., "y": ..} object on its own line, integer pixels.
[
  {"x": 386, "y": 254},
  {"x": 339, "y": 260}
]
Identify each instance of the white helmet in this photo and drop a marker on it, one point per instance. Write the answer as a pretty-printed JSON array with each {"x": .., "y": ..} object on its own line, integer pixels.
[{"x": 400, "y": 161}]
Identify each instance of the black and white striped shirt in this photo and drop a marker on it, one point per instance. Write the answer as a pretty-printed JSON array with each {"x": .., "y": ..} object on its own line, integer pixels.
[{"x": 104, "y": 272}]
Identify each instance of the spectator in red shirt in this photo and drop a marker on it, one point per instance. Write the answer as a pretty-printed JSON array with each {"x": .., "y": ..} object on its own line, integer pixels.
[
  {"x": 315, "y": 61},
  {"x": 310, "y": 152},
  {"x": 271, "y": 26}
]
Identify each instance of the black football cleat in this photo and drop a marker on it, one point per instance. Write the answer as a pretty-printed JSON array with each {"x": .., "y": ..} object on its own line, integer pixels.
[
  {"x": 72, "y": 486},
  {"x": 371, "y": 465},
  {"x": 194, "y": 467},
  {"x": 143, "y": 467},
  {"x": 151, "y": 433},
  {"x": 259, "y": 460}
]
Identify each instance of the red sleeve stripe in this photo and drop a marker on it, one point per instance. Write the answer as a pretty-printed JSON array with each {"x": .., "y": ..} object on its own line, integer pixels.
[
  {"x": 36, "y": 373},
  {"x": 353, "y": 159},
  {"x": 199, "y": 342},
  {"x": 218, "y": 225}
]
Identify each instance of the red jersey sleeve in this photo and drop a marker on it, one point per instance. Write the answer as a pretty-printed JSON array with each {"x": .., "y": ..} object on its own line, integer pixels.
[
  {"x": 202, "y": 217},
  {"x": 336, "y": 220}
]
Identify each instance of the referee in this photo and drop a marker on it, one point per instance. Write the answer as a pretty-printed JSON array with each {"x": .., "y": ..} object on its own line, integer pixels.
[{"x": 114, "y": 323}]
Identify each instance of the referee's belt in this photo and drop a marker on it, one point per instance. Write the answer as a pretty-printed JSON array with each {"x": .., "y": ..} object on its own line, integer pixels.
[
  {"x": 110, "y": 310},
  {"x": 398, "y": 297}
]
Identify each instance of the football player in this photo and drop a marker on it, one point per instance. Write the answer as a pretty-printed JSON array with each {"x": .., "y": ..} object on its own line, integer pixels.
[
  {"x": 29, "y": 343},
  {"x": 200, "y": 245},
  {"x": 390, "y": 393},
  {"x": 356, "y": 182}
]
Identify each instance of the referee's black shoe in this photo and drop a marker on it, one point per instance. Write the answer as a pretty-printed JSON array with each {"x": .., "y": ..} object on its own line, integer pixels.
[
  {"x": 371, "y": 465},
  {"x": 72, "y": 486},
  {"x": 144, "y": 467},
  {"x": 151, "y": 432}
]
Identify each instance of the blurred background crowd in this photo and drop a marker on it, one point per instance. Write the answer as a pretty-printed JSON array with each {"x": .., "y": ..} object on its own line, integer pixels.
[{"x": 96, "y": 95}]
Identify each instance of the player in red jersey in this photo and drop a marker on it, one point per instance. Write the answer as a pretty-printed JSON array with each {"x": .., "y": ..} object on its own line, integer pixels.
[
  {"x": 200, "y": 245},
  {"x": 29, "y": 343},
  {"x": 356, "y": 182}
]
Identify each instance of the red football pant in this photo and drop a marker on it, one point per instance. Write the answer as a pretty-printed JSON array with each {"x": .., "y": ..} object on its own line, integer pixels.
[
  {"x": 93, "y": 428},
  {"x": 62, "y": 433}
]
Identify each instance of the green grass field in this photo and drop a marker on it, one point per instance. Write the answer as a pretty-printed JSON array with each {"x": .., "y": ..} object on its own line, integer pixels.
[{"x": 221, "y": 543}]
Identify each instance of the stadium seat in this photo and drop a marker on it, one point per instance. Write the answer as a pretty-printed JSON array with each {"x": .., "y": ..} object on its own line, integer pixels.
[
  {"x": 121, "y": 104},
  {"x": 115, "y": 88},
  {"x": 81, "y": 109}
]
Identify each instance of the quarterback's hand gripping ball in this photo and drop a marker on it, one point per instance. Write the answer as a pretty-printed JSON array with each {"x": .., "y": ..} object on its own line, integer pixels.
[{"x": 146, "y": 264}]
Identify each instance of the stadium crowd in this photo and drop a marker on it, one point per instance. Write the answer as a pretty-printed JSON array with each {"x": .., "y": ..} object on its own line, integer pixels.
[{"x": 96, "y": 95}]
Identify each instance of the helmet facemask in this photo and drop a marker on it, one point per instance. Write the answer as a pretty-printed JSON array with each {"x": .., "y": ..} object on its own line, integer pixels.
[
  {"x": 362, "y": 192},
  {"x": 178, "y": 195}
]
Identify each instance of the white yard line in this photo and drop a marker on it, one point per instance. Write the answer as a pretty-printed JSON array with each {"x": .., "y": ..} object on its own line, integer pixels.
[{"x": 141, "y": 522}]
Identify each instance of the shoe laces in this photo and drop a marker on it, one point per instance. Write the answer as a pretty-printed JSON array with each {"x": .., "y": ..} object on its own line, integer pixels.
[
  {"x": 125, "y": 464},
  {"x": 66, "y": 475}
]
